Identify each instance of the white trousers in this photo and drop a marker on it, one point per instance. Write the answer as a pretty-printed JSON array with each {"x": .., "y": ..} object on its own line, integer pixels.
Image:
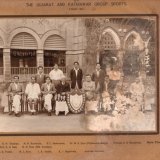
[
  {"x": 48, "y": 102},
  {"x": 61, "y": 106},
  {"x": 16, "y": 107}
]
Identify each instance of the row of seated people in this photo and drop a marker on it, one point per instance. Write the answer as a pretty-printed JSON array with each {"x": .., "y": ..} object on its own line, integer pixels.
[
  {"x": 47, "y": 93},
  {"x": 34, "y": 93}
]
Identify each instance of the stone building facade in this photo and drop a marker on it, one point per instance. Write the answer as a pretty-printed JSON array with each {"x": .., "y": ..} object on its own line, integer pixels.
[
  {"x": 30, "y": 42},
  {"x": 26, "y": 43}
]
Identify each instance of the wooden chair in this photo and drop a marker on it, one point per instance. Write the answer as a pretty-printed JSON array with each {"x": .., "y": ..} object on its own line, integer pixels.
[
  {"x": 10, "y": 102},
  {"x": 41, "y": 108},
  {"x": 26, "y": 108}
]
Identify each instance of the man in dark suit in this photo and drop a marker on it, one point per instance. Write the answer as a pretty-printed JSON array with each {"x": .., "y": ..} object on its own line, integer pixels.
[
  {"x": 76, "y": 76},
  {"x": 40, "y": 76},
  {"x": 99, "y": 77},
  {"x": 62, "y": 89}
]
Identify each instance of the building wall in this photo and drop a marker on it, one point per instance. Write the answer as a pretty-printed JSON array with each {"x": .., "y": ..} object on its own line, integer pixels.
[
  {"x": 71, "y": 30},
  {"x": 80, "y": 43}
]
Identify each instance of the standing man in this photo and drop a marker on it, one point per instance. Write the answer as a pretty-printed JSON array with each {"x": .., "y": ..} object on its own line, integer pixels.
[
  {"x": 40, "y": 76},
  {"x": 48, "y": 90},
  {"x": 114, "y": 78},
  {"x": 99, "y": 77},
  {"x": 33, "y": 92},
  {"x": 56, "y": 75},
  {"x": 15, "y": 90},
  {"x": 76, "y": 76}
]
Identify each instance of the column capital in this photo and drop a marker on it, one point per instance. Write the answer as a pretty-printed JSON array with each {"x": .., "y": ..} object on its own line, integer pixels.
[
  {"x": 40, "y": 51},
  {"x": 6, "y": 50}
]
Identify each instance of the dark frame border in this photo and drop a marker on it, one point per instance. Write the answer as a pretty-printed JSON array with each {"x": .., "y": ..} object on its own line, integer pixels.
[{"x": 109, "y": 132}]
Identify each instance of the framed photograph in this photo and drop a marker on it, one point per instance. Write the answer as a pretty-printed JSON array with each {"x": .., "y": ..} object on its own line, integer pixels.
[
  {"x": 79, "y": 80},
  {"x": 116, "y": 83}
]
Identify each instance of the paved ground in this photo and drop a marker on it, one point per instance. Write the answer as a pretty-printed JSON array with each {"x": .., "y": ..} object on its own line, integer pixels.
[
  {"x": 72, "y": 123},
  {"x": 132, "y": 121},
  {"x": 79, "y": 123}
]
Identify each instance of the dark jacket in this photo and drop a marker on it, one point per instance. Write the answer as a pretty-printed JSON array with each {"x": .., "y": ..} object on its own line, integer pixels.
[
  {"x": 62, "y": 87},
  {"x": 45, "y": 90},
  {"x": 12, "y": 88},
  {"x": 99, "y": 79},
  {"x": 40, "y": 79},
  {"x": 77, "y": 78}
]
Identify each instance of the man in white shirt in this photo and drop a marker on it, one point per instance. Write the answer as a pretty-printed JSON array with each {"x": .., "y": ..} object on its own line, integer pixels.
[
  {"x": 33, "y": 92},
  {"x": 114, "y": 78},
  {"x": 56, "y": 75}
]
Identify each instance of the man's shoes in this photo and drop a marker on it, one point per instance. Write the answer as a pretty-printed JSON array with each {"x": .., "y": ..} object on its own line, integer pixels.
[
  {"x": 11, "y": 113},
  {"x": 49, "y": 113},
  {"x": 17, "y": 114}
]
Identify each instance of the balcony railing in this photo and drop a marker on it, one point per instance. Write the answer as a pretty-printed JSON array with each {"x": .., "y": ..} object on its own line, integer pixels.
[
  {"x": 31, "y": 70},
  {"x": 23, "y": 70}
]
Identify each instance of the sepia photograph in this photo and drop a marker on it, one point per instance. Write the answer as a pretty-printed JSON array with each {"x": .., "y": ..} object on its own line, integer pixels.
[{"x": 78, "y": 75}]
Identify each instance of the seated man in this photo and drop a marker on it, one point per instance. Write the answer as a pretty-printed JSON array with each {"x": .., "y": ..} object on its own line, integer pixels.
[
  {"x": 89, "y": 88},
  {"x": 15, "y": 91},
  {"x": 33, "y": 92},
  {"x": 62, "y": 88},
  {"x": 48, "y": 89}
]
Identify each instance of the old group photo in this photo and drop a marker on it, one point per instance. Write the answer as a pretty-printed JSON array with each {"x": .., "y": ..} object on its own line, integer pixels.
[{"x": 78, "y": 75}]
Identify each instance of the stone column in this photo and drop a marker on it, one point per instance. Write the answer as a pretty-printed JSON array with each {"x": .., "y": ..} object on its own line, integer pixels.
[
  {"x": 7, "y": 64},
  {"x": 40, "y": 57}
]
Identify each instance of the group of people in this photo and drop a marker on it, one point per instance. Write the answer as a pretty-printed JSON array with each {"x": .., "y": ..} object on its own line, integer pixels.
[
  {"x": 48, "y": 87},
  {"x": 54, "y": 86}
]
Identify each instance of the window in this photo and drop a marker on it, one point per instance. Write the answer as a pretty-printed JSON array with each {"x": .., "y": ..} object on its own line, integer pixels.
[{"x": 107, "y": 42}]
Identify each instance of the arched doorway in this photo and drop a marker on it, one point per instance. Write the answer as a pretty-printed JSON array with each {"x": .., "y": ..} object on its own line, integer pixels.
[
  {"x": 108, "y": 54},
  {"x": 23, "y": 54},
  {"x": 131, "y": 59},
  {"x": 54, "y": 53}
]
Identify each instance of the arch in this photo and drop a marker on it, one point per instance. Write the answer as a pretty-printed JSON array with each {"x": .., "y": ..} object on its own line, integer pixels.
[
  {"x": 23, "y": 40},
  {"x": 137, "y": 35},
  {"x": 113, "y": 33},
  {"x": 28, "y": 31},
  {"x": 50, "y": 33},
  {"x": 54, "y": 42},
  {"x": 2, "y": 39}
]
